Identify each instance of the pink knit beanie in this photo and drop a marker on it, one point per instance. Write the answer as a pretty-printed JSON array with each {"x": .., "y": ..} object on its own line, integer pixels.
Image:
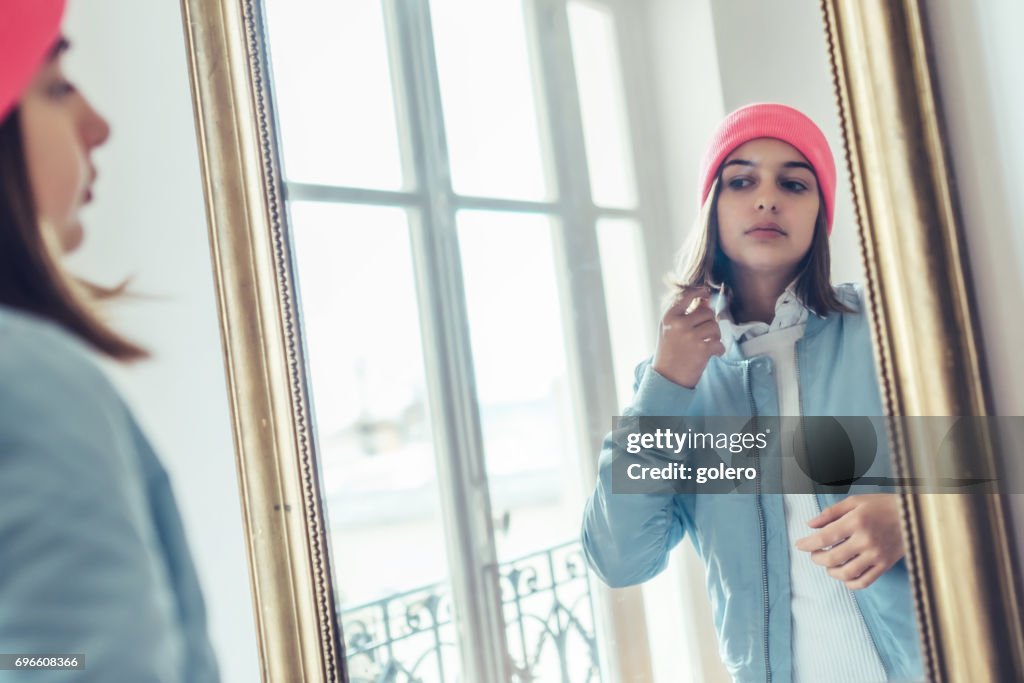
[
  {"x": 28, "y": 30},
  {"x": 766, "y": 120}
]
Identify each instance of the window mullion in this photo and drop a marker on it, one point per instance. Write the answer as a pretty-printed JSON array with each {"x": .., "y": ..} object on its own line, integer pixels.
[
  {"x": 506, "y": 205},
  {"x": 583, "y": 304},
  {"x": 309, "y": 192},
  {"x": 577, "y": 249},
  {"x": 458, "y": 437}
]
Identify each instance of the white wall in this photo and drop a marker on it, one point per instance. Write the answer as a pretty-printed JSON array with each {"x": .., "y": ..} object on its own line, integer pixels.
[
  {"x": 687, "y": 86},
  {"x": 148, "y": 221},
  {"x": 978, "y": 58},
  {"x": 978, "y": 55}
]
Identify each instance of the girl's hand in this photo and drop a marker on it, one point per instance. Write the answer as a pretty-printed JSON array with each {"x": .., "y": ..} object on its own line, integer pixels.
[
  {"x": 687, "y": 340},
  {"x": 859, "y": 538}
]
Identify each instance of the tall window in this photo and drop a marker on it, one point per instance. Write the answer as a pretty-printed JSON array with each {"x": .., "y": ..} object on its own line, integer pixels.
[{"x": 467, "y": 221}]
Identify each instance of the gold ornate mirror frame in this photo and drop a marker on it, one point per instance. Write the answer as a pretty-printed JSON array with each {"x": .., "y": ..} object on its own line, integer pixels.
[{"x": 961, "y": 558}]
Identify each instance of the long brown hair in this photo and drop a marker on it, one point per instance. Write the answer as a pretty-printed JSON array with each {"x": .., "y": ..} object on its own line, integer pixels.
[
  {"x": 701, "y": 262},
  {"x": 32, "y": 278}
]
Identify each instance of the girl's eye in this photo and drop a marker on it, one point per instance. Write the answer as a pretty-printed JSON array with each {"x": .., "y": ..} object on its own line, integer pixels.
[
  {"x": 61, "y": 88},
  {"x": 738, "y": 183},
  {"x": 794, "y": 185}
]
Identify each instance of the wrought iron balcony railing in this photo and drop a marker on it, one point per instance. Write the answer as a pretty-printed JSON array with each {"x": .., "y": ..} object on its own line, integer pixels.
[{"x": 410, "y": 637}]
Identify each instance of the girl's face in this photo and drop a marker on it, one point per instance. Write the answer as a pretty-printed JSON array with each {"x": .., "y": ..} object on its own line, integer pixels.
[
  {"x": 767, "y": 207},
  {"x": 60, "y": 130}
]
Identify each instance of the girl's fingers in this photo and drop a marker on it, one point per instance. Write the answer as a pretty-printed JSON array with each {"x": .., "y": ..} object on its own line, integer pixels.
[
  {"x": 867, "y": 578},
  {"x": 707, "y": 328},
  {"x": 830, "y": 536},
  {"x": 688, "y": 322},
  {"x": 701, "y": 318},
  {"x": 700, "y": 303},
  {"x": 836, "y": 556},
  {"x": 674, "y": 318},
  {"x": 683, "y": 301},
  {"x": 833, "y": 513},
  {"x": 852, "y": 570}
]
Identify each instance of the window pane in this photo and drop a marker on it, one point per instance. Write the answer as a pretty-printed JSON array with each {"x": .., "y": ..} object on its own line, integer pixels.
[
  {"x": 533, "y": 463},
  {"x": 377, "y": 460},
  {"x": 490, "y": 111},
  {"x": 519, "y": 358},
  {"x": 603, "y": 105},
  {"x": 627, "y": 298},
  {"x": 334, "y": 95}
]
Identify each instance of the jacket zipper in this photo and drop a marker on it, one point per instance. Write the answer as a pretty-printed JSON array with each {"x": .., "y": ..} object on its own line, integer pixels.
[
  {"x": 796, "y": 363},
  {"x": 881, "y": 657},
  {"x": 800, "y": 401},
  {"x": 761, "y": 526}
]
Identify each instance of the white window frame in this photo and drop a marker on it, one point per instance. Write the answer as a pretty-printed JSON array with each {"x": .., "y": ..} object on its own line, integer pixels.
[{"x": 433, "y": 204}]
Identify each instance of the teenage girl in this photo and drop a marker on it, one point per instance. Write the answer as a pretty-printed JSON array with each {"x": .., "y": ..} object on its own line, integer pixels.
[
  {"x": 804, "y": 587},
  {"x": 93, "y": 559}
]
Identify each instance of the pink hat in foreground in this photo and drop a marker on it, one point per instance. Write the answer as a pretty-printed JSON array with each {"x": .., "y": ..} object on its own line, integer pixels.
[
  {"x": 28, "y": 31},
  {"x": 767, "y": 120}
]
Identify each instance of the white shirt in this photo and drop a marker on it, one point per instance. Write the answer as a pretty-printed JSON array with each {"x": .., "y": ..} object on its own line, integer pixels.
[{"x": 830, "y": 639}]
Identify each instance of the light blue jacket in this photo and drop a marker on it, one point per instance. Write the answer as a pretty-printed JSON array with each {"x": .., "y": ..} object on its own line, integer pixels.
[
  {"x": 93, "y": 558},
  {"x": 742, "y": 537}
]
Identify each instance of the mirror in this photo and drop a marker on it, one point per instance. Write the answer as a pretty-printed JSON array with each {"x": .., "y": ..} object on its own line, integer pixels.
[{"x": 459, "y": 215}]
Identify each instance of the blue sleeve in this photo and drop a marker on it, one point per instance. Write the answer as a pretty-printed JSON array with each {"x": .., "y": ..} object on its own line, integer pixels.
[
  {"x": 627, "y": 536},
  {"x": 202, "y": 662},
  {"x": 80, "y": 565}
]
